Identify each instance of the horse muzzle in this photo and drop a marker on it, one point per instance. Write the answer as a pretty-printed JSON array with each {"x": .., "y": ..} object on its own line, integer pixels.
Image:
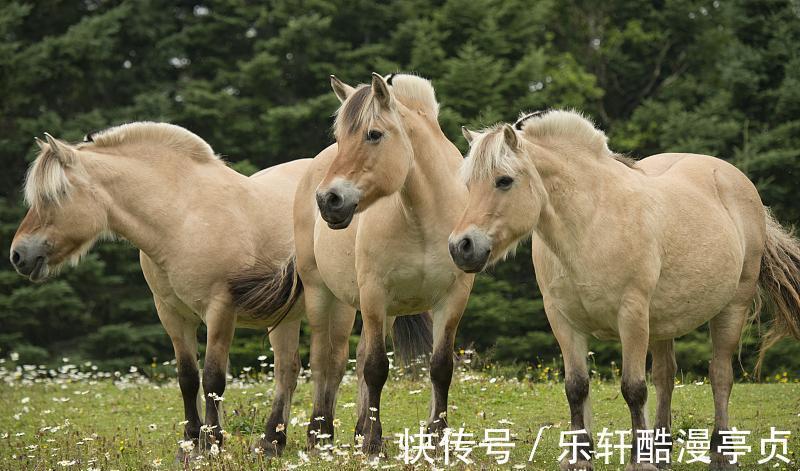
[
  {"x": 29, "y": 258},
  {"x": 471, "y": 251},
  {"x": 337, "y": 205}
]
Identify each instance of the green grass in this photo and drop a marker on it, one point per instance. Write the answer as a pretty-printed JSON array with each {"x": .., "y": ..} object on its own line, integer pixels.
[{"x": 133, "y": 424}]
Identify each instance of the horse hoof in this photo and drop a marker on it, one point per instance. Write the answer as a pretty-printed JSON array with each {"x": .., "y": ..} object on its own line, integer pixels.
[
  {"x": 183, "y": 457},
  {"x": 640, "y": 467},
  {"x": 720, "y": 463},
  {"x": 267, "y": 449},
  {"x": 372, "y": 449},
  {"x": 581, "y": 465}
]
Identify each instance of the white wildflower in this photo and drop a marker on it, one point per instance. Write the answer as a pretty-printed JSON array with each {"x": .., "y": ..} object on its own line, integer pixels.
[{"x": 187, "y": 446}]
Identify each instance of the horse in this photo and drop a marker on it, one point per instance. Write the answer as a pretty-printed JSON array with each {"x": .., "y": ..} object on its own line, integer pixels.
[
  {"x": 372, "y": 216},
  {"x": 638, "y": 251},
  {"x": 215, "y": 247}
]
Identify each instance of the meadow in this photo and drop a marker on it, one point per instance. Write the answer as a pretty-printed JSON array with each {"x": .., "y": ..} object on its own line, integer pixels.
[{"x": 75, "y": 417}]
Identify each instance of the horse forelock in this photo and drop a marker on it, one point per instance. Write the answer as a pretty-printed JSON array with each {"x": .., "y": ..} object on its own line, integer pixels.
[
  {"x": 487, "y": 155},
  {"x": 361, "y": 108},
  {"x": 46, "y": 181},
  {"x": 356, "y": 112}
]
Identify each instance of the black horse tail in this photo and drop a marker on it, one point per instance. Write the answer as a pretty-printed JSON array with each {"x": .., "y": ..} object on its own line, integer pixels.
[
  {"x": 266, "y": 290},
  {"x": 412, "y": 337}
]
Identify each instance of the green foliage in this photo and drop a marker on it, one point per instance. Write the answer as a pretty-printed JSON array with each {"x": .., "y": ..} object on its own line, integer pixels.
[{"x": 252, "y": 79}]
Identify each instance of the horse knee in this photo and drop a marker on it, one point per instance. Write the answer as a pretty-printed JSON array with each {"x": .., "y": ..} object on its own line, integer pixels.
[
  {"x": 188, "y": 375},
  {"x": 577, "y": 388},
  {"x": 376, "y": 370},
  {"x": 635, "y": 393},
  {"x": 442, "y": 368}
]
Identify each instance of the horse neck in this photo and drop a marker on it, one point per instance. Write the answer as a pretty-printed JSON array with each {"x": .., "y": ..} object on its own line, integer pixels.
[
  {"x": 148, "y": 199},
  {"x": 430, "y": 190},
  {"x": 574, "y": 186}
]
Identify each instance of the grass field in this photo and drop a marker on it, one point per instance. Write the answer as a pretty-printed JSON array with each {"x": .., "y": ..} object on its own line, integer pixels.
[{"x": 76, "y": 420}]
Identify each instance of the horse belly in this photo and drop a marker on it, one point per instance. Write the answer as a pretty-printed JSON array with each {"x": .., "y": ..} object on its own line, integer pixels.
[
  {"x": 686, "y": 299},
  {"x": 697, "y": 281}
]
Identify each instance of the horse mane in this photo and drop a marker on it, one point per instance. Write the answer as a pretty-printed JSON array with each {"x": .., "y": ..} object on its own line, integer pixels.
[
  {"x": 360, "y": 108},
  {"x": 489, "y": 152},
  {"x": 169, "y": 135},
  {"x": 568, "y": 125},
  {"x": 47, "y": 182}
]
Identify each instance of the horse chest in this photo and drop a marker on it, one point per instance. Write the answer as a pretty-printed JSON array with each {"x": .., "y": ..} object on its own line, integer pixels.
[{"x": 417, "y": 283}]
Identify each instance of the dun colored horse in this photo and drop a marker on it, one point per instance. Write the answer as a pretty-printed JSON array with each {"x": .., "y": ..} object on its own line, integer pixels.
[
  {"x": 643, "y": 252},
  {"x": 372, "y": 217},
  {"x": 214, "y": 247}
]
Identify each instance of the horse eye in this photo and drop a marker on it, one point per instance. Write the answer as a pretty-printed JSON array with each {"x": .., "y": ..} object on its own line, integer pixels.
[
  {"x": 374, "y": 135},
  {"x": 503, "y": 183}
]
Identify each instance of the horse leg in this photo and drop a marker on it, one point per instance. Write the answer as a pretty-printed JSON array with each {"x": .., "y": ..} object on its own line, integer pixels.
[
  {"x": 284, "y": 340},
  {"x": 634, "y": 332},
  {"x": 574, "y": 349},
  {"x": 664, "y": 369},
  {"x": 220, "y": 323},
  {"x": 331, "y": 324},
  {"x": 375, "y": 369},
  {"x": 362, "y": 399},
  {"x": 726, "y": 330},
  {"x": 446, "y": 317},
  {"x": 182, "y": 332}
]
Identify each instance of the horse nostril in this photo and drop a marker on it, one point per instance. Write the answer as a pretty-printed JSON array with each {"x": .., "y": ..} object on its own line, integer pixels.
[
  {"x": 465, "y": 246},
  {"x": 15, "y": 258},
  {"x": 335, "y": 201}
]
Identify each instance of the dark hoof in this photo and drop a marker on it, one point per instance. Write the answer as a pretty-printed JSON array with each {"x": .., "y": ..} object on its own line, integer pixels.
[
  {"x": 373, "y": 448},
  {"x": 719, "y": 462},
  {"x": 640, "y": 467},
  {"x": 437, "y": 427},
  {"x": 184, "y": 455},
  {"x": 268, "y": 449},
  {"x": 582, "y": 465}
]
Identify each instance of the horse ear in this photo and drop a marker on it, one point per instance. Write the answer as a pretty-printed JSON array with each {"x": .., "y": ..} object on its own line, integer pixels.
[
  {"x": 510, "y": 137},
  {"x": 468, "y": 135},
  {"x": 39, "y": 143},
  {"x": 63, "y": 152},
  {"x": 341, "y": 89},
  {"x": 381, "y": 90}
]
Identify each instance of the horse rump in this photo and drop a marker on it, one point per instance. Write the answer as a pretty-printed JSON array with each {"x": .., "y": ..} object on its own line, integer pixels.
[
  {"x": 266, "y": 290},
  {"x": 779, "y": 284}
]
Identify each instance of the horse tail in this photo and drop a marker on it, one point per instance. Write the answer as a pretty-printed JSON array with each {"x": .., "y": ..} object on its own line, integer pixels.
[
  {"x": 412, "y": 337},
  {"x": 779, "y": 284},
  {"x": 267, "y": 291}
]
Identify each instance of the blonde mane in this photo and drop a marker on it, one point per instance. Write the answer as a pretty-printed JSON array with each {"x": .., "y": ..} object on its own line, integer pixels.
[
  {"x": 565, "y": 125},
  {"x": 168, "y": 135},
  {"x": 489, "y": 152},
  {"x": 361, "y": 109},
  {"x": 47, "y": 181}
]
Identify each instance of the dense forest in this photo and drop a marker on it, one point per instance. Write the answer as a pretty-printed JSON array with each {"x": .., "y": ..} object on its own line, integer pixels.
[{"x": 720, "y": 77}]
